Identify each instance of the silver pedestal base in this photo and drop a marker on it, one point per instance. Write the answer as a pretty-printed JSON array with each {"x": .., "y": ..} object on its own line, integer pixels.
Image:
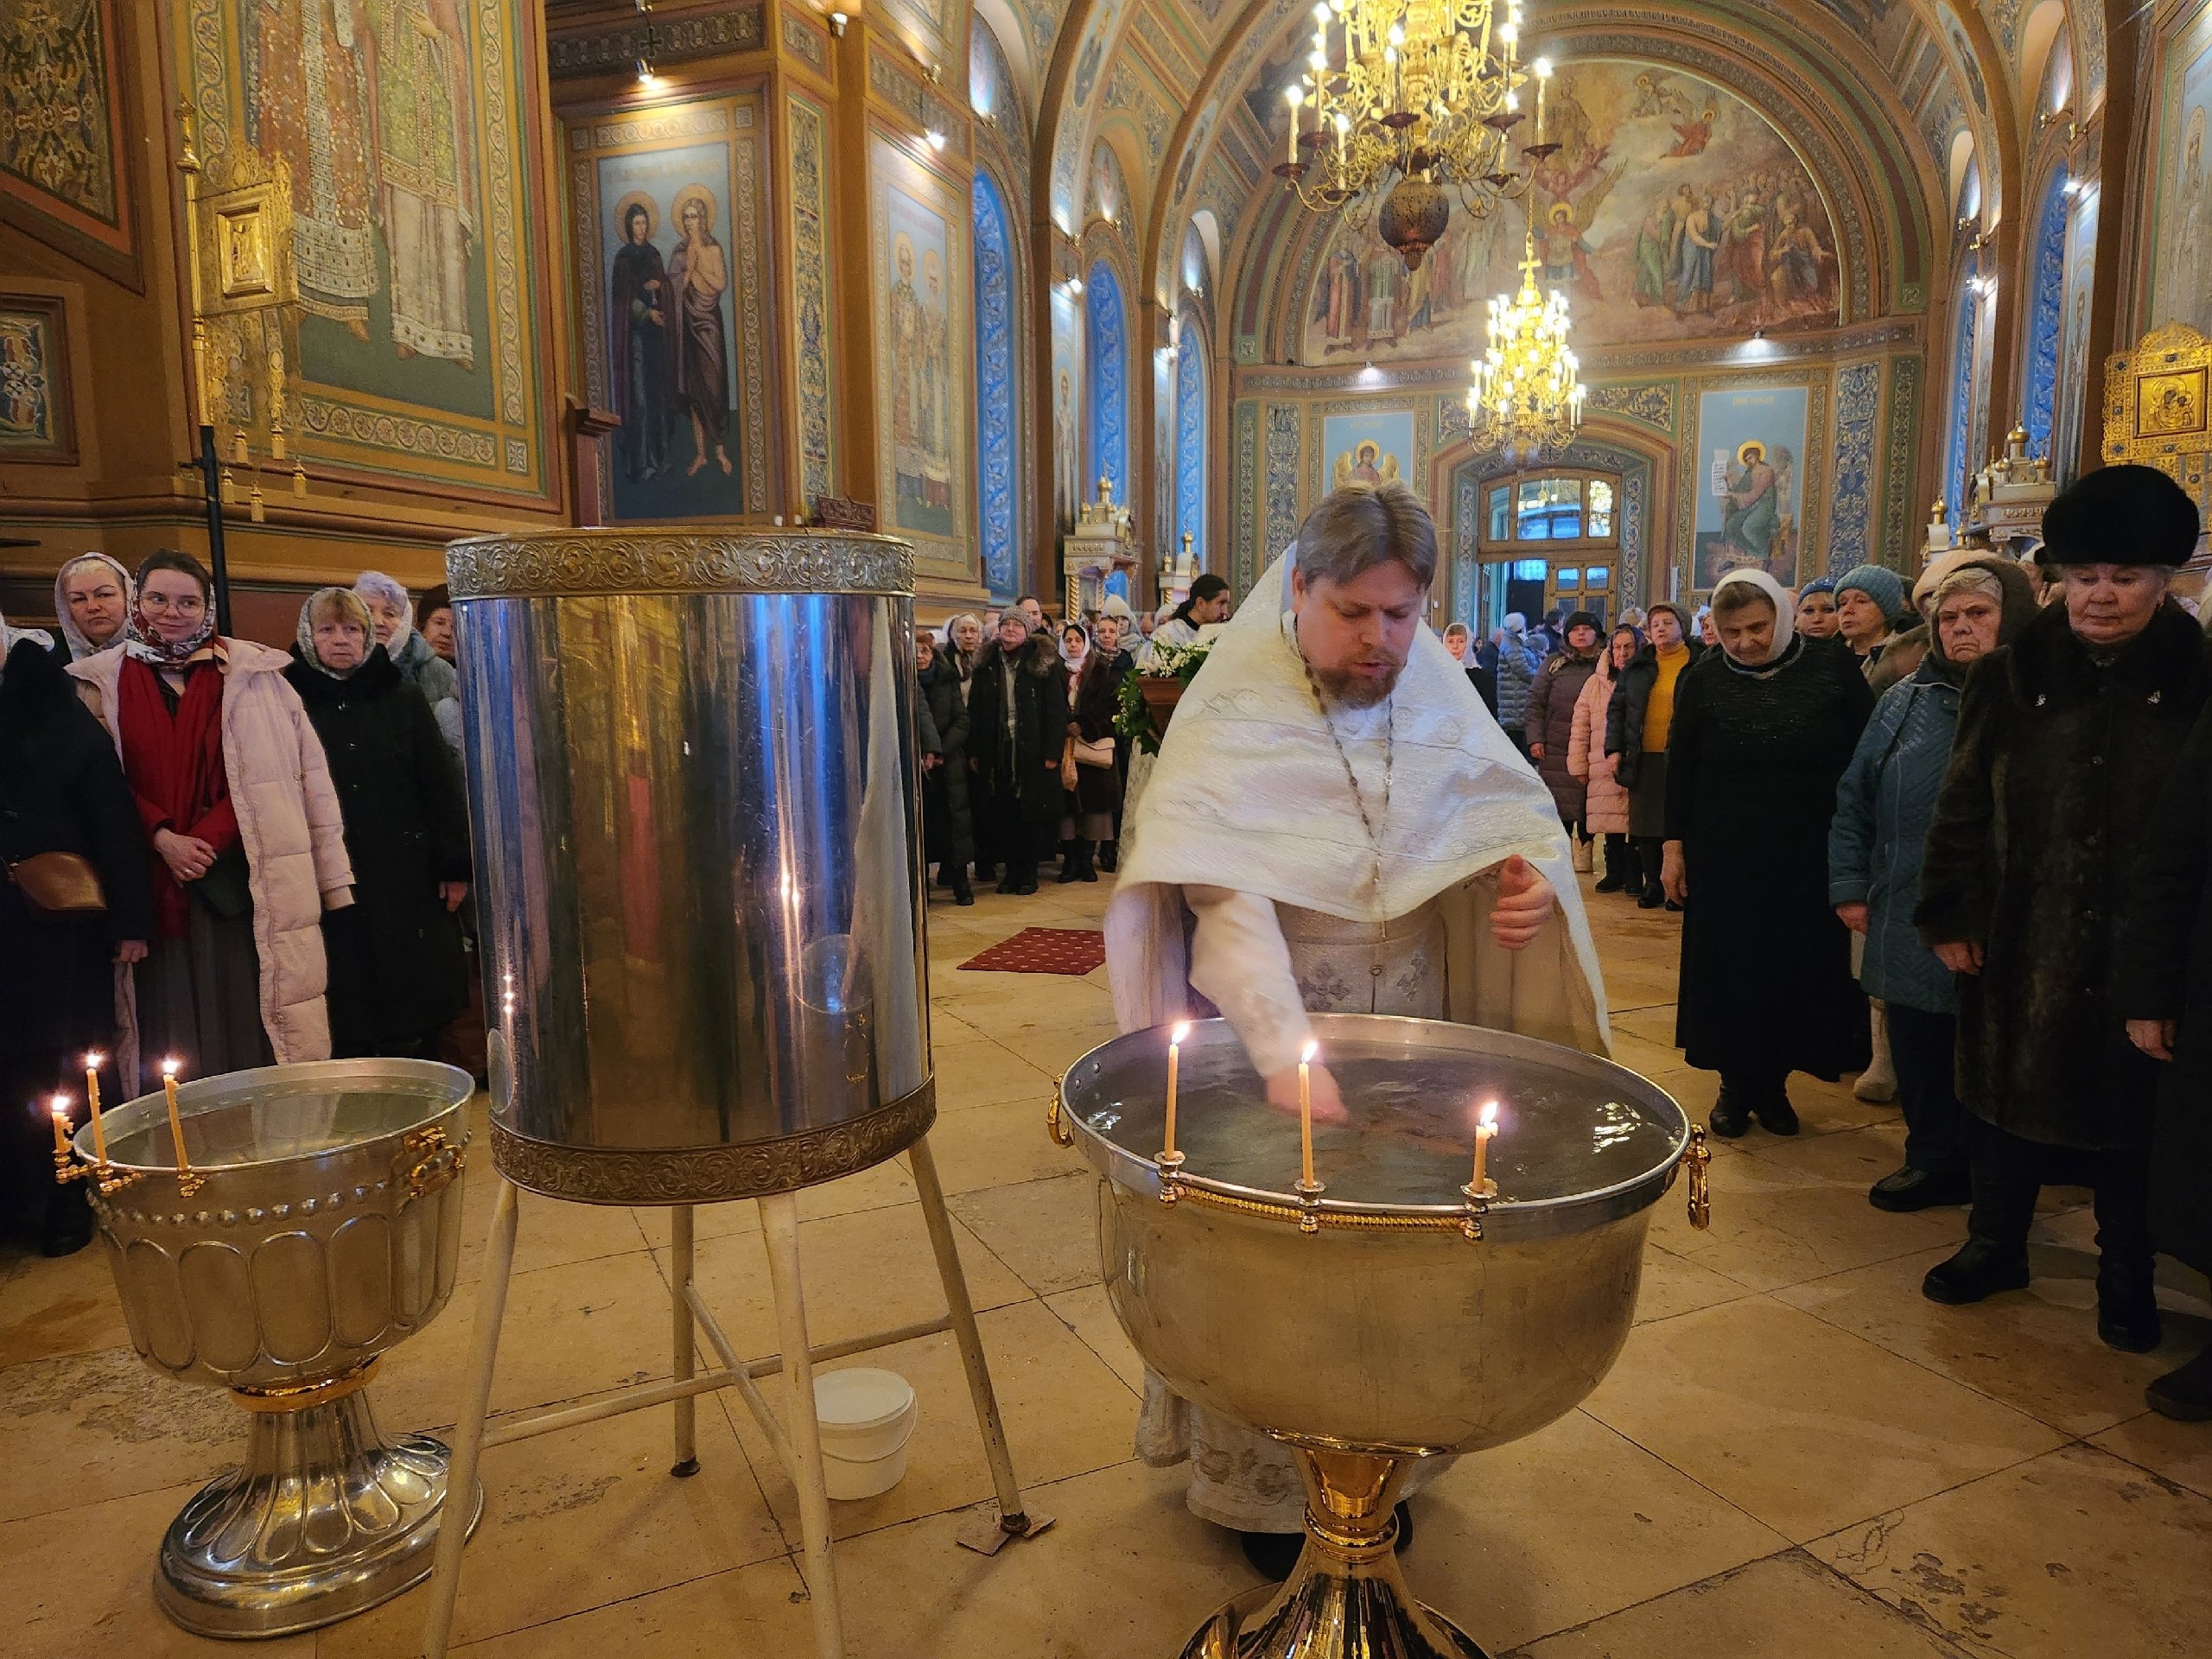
[{"x": 324, "y": 1519}]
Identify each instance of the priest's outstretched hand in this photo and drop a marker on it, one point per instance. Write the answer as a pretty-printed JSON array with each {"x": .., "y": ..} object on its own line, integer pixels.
[
  {"x": 1525, "y": 902},
  {"x": 1328, "y": 1099}
]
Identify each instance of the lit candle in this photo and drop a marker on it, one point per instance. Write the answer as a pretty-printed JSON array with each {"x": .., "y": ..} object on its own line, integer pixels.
[
  {"x": 93, "y": 1099},
  {"x": 1174, "y": 1059},
  {"x": 1543, "y": 74},
  {"x": 1306, "y": 1111},
  {"x": 61, "y": 1128},
  {"x": 1485, "y": 1127},
  {"x": 176, "y": 1123},
  {"x": 1294, "y": 96}
]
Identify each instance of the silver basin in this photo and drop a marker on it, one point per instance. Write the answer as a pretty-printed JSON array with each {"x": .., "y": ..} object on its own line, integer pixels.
[
  {"x": 1394, "y": 1315},
  {"x": 319, "y": 1226}
]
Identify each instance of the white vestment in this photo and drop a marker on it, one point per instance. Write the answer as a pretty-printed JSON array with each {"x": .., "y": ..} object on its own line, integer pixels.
[{"x": 1249, "y": 886}]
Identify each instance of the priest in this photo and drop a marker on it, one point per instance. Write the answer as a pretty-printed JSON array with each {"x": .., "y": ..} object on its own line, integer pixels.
[{"x": 1337, "y": 824}]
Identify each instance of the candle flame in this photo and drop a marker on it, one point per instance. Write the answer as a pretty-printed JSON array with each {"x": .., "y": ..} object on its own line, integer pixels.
[
  {"x": 60, "y": 1107},
  {"x": 1312, "y": 1049},
  {"x": 1489, "y": 1115},
  {"x": 170, "y": 1066},
  {"x": 93, "y": 1058},
  {"x": 1182, "y": 1032}
]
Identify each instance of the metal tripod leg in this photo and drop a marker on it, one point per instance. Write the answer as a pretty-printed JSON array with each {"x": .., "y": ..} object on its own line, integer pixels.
[
  {"x": 679, "y": 1279},
  {"x": 1014, "y": 1521},
  {"x": 468, "y": 1432},
  {"x": 780, "y": 1222}
]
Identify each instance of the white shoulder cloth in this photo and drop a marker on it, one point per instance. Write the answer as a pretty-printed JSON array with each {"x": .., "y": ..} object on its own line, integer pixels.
[{"x": 1249, "y": 793}]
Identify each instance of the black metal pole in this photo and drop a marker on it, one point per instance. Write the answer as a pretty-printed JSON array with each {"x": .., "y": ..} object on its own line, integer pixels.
[{"x": 211, "y": 476}]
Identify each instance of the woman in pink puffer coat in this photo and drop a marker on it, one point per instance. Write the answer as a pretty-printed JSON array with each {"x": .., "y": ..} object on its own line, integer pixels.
[{"x": 1605, "y": 808}]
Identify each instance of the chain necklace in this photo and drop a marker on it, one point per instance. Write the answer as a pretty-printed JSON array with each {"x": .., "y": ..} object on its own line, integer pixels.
[{"x": 1359, "y": 801}]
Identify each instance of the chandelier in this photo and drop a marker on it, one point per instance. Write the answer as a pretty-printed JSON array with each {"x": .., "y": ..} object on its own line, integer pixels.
[
  {"x": 1411, "y": 102},
  {"x": 1528, "y": 393}
]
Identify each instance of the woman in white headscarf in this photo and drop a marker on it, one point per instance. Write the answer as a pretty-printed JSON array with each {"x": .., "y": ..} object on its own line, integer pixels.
[
  {"x": 1763, "y": 729},
  {"x": 393, "y": 613},
  {"x": 92, "y": 598}
]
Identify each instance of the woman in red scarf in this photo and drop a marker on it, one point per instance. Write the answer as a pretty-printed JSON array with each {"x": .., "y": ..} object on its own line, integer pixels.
[{"x": 231, "y": 788}]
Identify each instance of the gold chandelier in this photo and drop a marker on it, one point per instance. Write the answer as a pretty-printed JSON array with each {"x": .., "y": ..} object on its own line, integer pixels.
[
  {"x": 1527, "y": 392},
  {"x": 1411, "y": 102}
]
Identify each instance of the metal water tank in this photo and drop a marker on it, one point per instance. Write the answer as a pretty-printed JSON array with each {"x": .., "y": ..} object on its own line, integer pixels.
[{"x": 693, "y": 780}]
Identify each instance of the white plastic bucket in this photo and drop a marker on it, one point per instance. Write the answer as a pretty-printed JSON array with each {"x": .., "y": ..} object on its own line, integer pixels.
[{"x": 867, "y": 1417}]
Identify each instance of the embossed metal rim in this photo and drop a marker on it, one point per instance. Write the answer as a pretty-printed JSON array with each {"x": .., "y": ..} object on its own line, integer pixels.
[
  {"x": 711, "y": 559},
  {"x": 753, "y": 1169}
]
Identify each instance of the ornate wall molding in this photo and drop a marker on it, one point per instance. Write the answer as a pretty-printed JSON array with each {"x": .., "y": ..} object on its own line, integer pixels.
[
  {"x": 633, "y": 561},
  {"x": 740, "y": 28}
]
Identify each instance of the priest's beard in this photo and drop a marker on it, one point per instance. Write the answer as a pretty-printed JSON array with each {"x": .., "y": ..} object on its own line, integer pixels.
[{"x": 1359, "y": 690}]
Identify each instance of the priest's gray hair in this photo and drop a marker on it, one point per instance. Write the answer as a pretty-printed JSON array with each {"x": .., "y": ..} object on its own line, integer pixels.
[{"x": 1360, "y": 526}]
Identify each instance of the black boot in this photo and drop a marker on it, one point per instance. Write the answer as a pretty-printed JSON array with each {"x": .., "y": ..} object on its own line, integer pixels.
[
  {"x": 1071, "y": 870},
  {"x": 2127, "y": 1305},
  {"x": 69, "y": 1226},
  {"x": 1909, "y": 1189},
  {"x": 1654, "y": 897},
  {"x": 1730, "y": 1116},
  {"x": 962, "y": 892},
  {"x": 1775, "y": 1113},
  {"x": 2184, "y": 1394},
  {"x": 1085, "y": 870},
  {"x": 1109, "y": 855},
  {"x": 1979, "y": 1270}
]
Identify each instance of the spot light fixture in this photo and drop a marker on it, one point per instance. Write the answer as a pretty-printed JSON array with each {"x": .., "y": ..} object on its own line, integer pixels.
[
  {"x": 838, "y": 21},
  {"x": 936, "y": 138}
]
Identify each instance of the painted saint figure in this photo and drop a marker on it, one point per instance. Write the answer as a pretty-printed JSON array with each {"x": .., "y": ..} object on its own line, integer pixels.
[
  {"x": 421, "y": 137},
  {"x": 1751, "y": 511},
  {"x": 1693, "y": 275},
  {"x": 698, "y": 272},
  {"x": 640, "y": 312}
]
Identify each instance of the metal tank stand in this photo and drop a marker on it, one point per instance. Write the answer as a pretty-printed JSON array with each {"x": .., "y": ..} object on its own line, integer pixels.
[{"x": 796, "y": 1435}]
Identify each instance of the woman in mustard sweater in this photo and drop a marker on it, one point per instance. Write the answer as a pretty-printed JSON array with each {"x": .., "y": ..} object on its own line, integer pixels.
[{"x": 1637, "y": 721}]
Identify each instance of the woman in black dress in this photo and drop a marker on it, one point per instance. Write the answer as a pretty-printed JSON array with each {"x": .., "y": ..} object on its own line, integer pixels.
[
  {"x": 397, "y": 968},
  {"x": 1763, "y": 729}
]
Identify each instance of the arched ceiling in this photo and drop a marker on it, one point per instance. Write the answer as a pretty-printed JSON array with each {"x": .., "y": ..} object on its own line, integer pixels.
[{"x": 1871, "y": 93}]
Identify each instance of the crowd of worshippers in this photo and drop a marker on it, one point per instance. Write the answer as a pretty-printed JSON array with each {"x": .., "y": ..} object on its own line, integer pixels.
[
  {"x": 219, "y": 853},
  {"x": 1021, "y": 755}
]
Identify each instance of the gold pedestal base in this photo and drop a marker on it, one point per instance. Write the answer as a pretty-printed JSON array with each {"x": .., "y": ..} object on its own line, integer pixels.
[{"x": 1345, "y": 1598}]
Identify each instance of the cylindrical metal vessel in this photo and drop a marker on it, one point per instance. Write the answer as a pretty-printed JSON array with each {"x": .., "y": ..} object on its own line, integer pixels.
[{"x": 693, "y": 781}]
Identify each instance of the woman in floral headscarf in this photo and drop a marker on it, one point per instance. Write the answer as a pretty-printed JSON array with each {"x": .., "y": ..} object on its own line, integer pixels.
[{"x": 247, "y": 846}]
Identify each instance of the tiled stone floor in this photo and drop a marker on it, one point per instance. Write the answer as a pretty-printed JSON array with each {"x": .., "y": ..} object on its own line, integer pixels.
[{"x": 1796, "y": 1457}]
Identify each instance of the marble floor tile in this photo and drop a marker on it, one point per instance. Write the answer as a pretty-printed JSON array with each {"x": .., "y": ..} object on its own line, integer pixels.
[
  {"x": 2072, "y": 1554},
  {"x": 978, "y": 1071},
  {"x": 2035, "y": 1349},
  {"x": 578, "y": 1519},
  {"x": 64, "y": 1307},
  {"x": 80, "y": 1588},
  {"x": 1502, "y": 1539},
  {"x": 753, "y": 1610},
  {"x": 1064, "y": 1412},
  {"x": 1002, "y": 1145},
  {"x": 1672, "y": 1285},
  {"x": 2181, "y": 1452},
  {"x": 1127, "y": 1572},
  {"x": 1089, "y": 1313},
  {"x": 1046, "y": 1231},
  {"x": 1774, "y": 1225},
  {"x": 1804, "y": 1426},
  {"x": 1784, "y": 1607},
  {"x": 87, "y": 1428},
  {"x": 862, "y": 1273}
]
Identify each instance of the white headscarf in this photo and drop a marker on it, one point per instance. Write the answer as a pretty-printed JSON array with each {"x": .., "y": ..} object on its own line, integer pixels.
[
  {"x": 1785, "y": 613},
  {"x": 80, "y": 647},
  {"x": 10, "y": 638},
  {"x": 374, "y": 584}
]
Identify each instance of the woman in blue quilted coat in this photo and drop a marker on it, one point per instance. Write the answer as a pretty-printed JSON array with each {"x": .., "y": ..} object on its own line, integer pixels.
[{"x": 1883, "y": 806}]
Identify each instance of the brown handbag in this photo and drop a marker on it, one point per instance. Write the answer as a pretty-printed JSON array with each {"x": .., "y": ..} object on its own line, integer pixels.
[{"x": 59, "y": 884}]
